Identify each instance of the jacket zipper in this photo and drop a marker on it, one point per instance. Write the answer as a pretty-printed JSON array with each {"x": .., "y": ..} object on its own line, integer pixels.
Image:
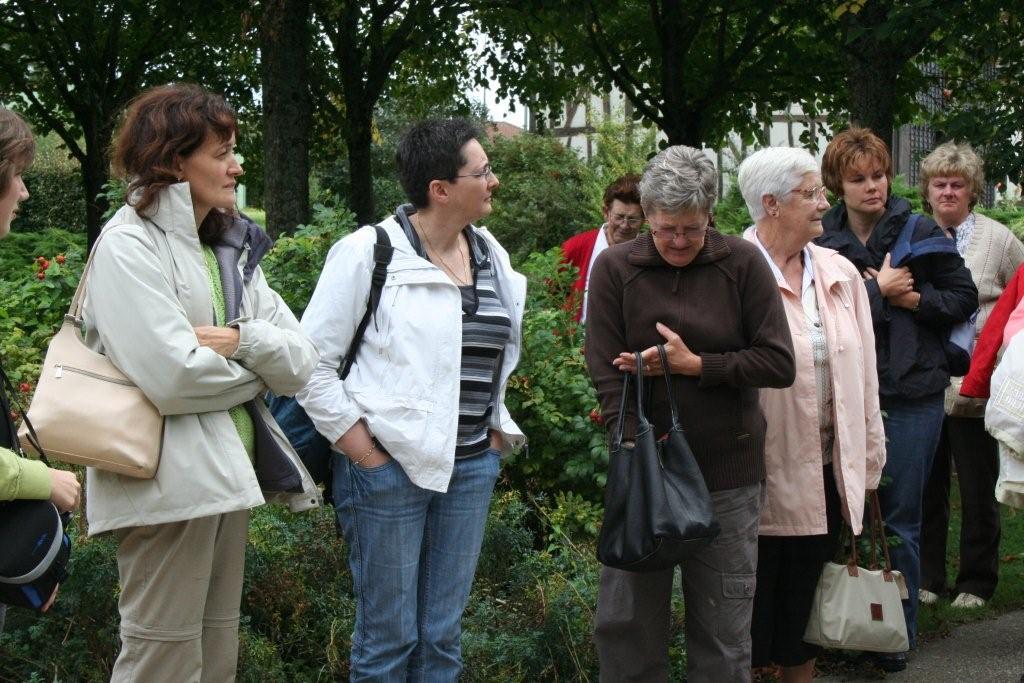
[{"x": 60, "y": 368}]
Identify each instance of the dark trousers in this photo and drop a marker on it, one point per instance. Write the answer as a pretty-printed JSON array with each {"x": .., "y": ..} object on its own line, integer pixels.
[{"x": 975, "y": 454}]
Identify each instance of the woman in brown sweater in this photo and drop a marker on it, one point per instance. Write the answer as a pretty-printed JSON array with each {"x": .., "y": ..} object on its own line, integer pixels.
[{"x": 715, "y": 304}]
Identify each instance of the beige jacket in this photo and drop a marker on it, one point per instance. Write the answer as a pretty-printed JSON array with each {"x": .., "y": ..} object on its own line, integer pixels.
[
  {"x": 147, "y": 289},
  {"x": 993, "y": 256},
  {"x": 795, "y": 498}
]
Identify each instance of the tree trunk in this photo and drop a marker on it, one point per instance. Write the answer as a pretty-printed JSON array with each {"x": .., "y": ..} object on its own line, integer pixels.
[
  {"x": 872, "y": 78},
  {"x": 287, "y": 112},
  {"x": 359, "y": 140},
  {"x": 95, "y": 173}
]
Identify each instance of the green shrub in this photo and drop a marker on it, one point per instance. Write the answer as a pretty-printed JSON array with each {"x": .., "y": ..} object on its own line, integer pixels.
[
  {"x": 54, "y": 183},
  {"x": 545, "y": 196},
  {"x": 293, "y": 266}
]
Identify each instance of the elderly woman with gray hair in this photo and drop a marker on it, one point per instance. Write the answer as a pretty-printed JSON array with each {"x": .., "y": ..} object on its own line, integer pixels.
[
  {"x": 713, "y": 302},
  {"x": 825, "y": 444}
]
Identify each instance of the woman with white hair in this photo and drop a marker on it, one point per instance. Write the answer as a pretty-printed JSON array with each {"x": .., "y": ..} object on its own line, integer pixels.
[
  {"x": 825, "y": 444},
  {"x": 712, "y": 300}
]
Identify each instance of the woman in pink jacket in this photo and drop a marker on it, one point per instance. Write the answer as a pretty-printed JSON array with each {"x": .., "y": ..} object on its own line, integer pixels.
[{"x": 824, "y": 446}]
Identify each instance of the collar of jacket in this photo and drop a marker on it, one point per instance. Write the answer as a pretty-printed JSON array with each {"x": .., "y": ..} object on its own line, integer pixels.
[
  {"x": 643, "y": 252},
  {"x": 836, "y": 222},
  {"x": 172, "y": 211},
  {"x": 826, "y": 272}
]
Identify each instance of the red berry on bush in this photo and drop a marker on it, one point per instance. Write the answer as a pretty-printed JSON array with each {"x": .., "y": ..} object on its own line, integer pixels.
[
  {"x": 41, "y": 275},
  {"x": 25, "y": 387},
  {"x": 60, "y": 259},
  {"x": 596, "y": 417},
  {"x": 40, "y": 259},
  {"x": 44, "y": 264}
]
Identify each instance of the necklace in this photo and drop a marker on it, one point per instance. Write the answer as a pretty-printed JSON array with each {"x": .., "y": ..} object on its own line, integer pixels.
[{"x": 462, "y": 256}]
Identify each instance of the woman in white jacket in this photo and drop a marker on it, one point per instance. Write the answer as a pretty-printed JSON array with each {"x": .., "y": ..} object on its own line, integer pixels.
[
  {"x": 420, "y": 422},
  {"x": 176, "y": 299}
]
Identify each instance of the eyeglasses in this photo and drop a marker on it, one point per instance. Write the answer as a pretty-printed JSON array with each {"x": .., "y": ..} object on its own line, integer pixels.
[
  {"x": 812, "y": 194},
  {"x": 485, "y": 173},
  {"x": 685, "y": 233},
  {"x": 631, "y": 221}
]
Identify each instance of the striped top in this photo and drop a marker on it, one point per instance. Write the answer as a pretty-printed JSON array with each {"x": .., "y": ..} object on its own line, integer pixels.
[{"x": 486, "y": 330}]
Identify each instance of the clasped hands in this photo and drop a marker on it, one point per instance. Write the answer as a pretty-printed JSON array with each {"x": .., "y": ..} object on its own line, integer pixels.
[
  {"x": 681, "y": 361},
  {"x": 895, "y": 284},
  {"x": 223, "y": 340}
]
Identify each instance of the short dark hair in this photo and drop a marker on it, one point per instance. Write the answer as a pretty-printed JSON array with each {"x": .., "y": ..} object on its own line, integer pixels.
[
  {"x": 432, "y": 150},
  {"x": 625, "y": 188},
  {"x": 160, "y": 125},
  {"x": 848, "y": 149}
]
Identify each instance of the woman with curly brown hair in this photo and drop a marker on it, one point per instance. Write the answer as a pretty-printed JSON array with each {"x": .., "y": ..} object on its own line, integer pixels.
[{"x": 176, "y": 299}]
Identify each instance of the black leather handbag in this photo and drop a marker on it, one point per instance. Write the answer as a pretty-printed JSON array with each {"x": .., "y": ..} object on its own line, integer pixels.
[{"x": 657, "y": 508}]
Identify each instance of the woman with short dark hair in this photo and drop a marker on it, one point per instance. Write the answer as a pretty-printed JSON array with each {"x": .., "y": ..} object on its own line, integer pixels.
[
  {"x": 176, "y": 299},
  {"x": 420, "y": 423}
]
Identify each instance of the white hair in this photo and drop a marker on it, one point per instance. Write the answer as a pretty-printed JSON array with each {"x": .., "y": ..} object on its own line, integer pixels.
[
  {"x": 679, "y": 178},
  {"x": 775, "y": 171}
]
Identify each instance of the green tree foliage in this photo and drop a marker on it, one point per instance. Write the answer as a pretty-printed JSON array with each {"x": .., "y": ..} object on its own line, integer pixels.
[
  {"x": 75, "y": 65},
  {"x": 697, "y": 70},
  {"x": 53, "y": 181}
]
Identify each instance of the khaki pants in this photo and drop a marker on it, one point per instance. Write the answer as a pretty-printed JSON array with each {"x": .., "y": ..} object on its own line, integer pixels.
[
  {"x": 181, "y": 586},
  {"x": 633, "y": 617}
]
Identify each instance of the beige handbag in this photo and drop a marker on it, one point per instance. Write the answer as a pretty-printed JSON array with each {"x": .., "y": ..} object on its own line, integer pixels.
[
  {"x": 860, "y": 609},
  {"x": 87, "y": 412}
]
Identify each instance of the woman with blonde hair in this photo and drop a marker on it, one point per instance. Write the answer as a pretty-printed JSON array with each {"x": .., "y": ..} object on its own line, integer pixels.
[{"x": 952, "y": 181}]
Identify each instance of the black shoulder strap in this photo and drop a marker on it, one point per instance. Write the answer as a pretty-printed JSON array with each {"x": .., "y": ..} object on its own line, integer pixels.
[
  {"x": 382, "y": 252},
  {"x": 6, "y": 407}
]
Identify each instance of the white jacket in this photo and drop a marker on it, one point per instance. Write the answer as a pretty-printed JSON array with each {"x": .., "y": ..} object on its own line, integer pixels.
[
  {"x": 405, "y": 381},
  {"x": 147, "y": 289},
  {"x": 1004, "y": 419}
]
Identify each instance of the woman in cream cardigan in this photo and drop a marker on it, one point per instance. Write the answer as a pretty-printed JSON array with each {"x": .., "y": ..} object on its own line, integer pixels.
[
  {"x": 951, "y": 184},
  {"x": 825, "y": 445}
]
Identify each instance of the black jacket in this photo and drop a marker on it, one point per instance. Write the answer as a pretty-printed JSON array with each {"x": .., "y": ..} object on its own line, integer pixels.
[{"x": 910, "y": 345}]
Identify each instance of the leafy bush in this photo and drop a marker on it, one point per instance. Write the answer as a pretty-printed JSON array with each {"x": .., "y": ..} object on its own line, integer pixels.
[
  {"x": 550, "y": 395},
  {"x": 545, "y": 196},
  {"x": 293, "y": 266},
  {"x": 54, "y": 183}
]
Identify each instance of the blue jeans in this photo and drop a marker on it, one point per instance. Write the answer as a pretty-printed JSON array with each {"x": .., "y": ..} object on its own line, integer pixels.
[
  {"x": 912, "y": 428},
  {"x": 413, "y": 554}
]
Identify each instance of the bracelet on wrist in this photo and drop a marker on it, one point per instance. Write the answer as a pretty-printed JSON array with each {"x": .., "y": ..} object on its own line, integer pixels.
[{"x": 367, "y": 454}]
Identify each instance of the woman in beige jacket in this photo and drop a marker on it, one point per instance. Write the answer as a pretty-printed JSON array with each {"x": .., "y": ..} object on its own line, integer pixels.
[
  {"x": 824, "y": 445},
  {"x": 176, "y": 299}
]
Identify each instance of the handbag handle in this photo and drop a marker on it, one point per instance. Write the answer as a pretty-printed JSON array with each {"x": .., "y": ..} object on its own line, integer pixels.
[
  {"x": 668, "y": 385},
  {"x": 876, "y": 523},
  {"x": 74, "y": 314},
  {"x": 625, "y": 396}
]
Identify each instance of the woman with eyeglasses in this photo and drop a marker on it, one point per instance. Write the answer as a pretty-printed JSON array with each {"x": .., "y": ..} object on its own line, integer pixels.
[
  {"x": 913, "y": 308},
  {"x": 420, "y": 423},
  {"x": 623, "y": 219},
  {"x": 825, "y": 446},
  {"x": 714, "y": 303}
]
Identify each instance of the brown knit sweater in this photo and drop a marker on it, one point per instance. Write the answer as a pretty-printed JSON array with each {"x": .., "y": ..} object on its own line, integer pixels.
[{"x": 726, "y": 307}]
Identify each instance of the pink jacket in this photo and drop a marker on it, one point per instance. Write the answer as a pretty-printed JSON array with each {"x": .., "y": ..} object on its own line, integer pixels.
[{"x": 795, "y": 497}]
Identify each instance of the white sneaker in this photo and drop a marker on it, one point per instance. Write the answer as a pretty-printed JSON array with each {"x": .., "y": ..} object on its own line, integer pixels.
[
  {"x": 968, "y": 601},
  {"x": 927, "y": 597}
]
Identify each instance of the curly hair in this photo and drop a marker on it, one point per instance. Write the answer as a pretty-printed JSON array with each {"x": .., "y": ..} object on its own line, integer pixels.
[
  {"x": 848, "y": 149},
  {"x": 948, "y": 160},
  {"x": 17, "y": 148},
  {"x": 161, "y": 126},
  {"x": 625, "y": 189},
  {"x": 679, "y": 178}
]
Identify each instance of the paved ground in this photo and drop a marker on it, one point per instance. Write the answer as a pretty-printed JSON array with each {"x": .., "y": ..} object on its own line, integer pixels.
[{"x": 982, "y": 652}]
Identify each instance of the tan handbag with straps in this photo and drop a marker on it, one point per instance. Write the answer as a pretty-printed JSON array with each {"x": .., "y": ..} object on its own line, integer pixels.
[{"x": 86, "y": 411}]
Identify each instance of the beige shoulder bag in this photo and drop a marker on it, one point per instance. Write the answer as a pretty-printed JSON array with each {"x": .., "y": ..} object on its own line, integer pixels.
[{"x": 87, "y": 412}]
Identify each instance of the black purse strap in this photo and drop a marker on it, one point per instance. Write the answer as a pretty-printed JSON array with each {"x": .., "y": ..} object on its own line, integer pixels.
[
  {"x": 11, "y": 393},
  {"x": 639, "y": 380},
  {"x": 668, "y": 385}
]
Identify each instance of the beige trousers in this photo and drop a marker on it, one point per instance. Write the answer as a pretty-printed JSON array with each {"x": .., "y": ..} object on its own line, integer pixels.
[{"x": 181, "y": 586}]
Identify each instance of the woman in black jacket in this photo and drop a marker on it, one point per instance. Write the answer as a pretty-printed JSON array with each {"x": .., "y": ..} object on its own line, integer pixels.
[{"x": 913, "y": 308}]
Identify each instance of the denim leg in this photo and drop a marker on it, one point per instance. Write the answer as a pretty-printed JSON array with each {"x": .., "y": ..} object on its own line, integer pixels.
[
  {"x": 382, "y": 515},
  {"x": 451, "y": 546},
  {"x": 912, "y": 429}
]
